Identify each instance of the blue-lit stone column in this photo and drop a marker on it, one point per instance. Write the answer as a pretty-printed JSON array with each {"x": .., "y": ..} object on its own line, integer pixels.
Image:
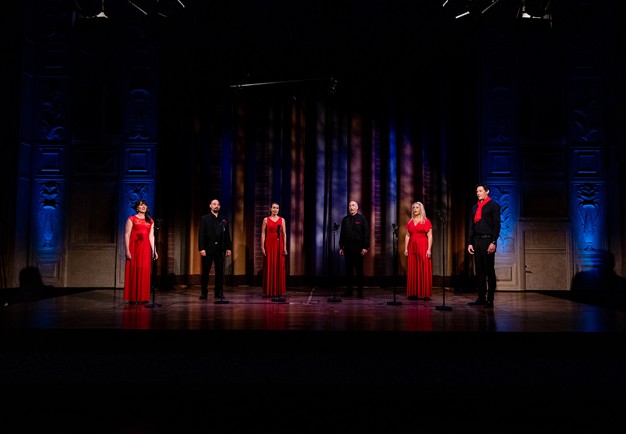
[
  {"x": 44, "y": 137},
  {"x": 587, "y": 193},
  {"x": 499, "y": 156},
  {"x": 138, "y": 158}
]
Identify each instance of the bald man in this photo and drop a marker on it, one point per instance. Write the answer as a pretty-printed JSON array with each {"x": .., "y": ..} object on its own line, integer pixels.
[{"x": 354, "y": 243}]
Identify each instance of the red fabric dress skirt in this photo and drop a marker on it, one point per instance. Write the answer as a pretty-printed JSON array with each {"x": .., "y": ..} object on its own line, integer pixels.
[
  {"x": 419, "y": 271},
  {"x": 274, "y": 274},
  {"x": 138, "y": 269}
]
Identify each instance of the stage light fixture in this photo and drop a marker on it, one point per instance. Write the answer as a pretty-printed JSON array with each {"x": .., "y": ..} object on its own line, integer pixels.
[
  {"x": 154, "y": 7},
  {"x": 493, "y": 2},
  {"x": 90, "y": 8},
  {"x": 535, "y": 9},
  {"x": 463, "y": 8}
]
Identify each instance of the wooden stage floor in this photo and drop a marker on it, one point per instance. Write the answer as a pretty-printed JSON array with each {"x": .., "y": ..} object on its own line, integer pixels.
[
  {"x": 85, "y": 361},
  {"x": 309, "y": 309}
]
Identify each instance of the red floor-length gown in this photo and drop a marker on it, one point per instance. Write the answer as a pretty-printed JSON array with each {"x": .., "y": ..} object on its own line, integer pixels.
[
  {"x": 419, "y": 270},
  {"x": 138, "y": 269},
  {"x": 274, "y": 274}
]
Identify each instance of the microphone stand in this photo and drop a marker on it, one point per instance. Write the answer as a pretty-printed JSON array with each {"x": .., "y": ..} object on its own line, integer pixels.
[
  {"x": 222, "y": 300},
  {"x": 157, "y": 227},
  {"x": 443, "y": 307},
  {"x": 394, "y": 228},
  {"x": 331, "y": 259},
  {"x": 278, "y": 298}
]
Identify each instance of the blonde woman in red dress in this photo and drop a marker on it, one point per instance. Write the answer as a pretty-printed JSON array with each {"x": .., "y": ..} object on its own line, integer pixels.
[
  {"x": 274, "y": 248},
  {"x": 140, "y": 252},
  {"x": 417, "y": 247}
]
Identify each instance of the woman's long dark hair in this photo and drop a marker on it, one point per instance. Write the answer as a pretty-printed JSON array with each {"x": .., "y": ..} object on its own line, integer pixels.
[{"x": 143, "y": 202}]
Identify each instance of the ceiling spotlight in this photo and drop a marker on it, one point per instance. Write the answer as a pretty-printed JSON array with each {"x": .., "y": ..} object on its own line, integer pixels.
[
  {"x": 493, "y": 2},
  {"x": 539, "y": 10},
  {"x": 138, "y": 8},
  {"x": 156, "y": 7},
  {"x": 536, "y": 11},
  {"x": 469, "y": 7},
  {"x": 90, "y": 8}
]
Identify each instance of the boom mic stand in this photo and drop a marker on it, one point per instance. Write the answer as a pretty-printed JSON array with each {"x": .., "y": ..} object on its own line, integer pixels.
[
  {"x": 278, "y": 298},
  {"x": 157, "y": 227},
  {"x": 443, "y": 307},
  {"x": 331, "y": 260},
  {"x": 222, "y": 300},
  {"x": 394, "y": 228}
]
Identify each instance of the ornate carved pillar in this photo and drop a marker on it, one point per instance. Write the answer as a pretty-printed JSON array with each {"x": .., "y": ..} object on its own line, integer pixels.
[
  {"x": 499, "y": 156},
  {"x": 587, "y": 136},
  {"x": 138, "y": 150},
  {"x": 44, "y": 140}
]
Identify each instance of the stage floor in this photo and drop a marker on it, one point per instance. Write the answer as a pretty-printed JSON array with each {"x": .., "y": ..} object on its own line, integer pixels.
[
  {"x": 85, "y": 361},
  {"x": 310, "y": 309}
]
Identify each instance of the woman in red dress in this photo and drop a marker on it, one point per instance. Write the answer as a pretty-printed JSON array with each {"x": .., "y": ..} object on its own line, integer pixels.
[
  {"x": 274, "y": 248},
  {"x": 417, "y": 246},
  {"x": 140, "y": 251}
]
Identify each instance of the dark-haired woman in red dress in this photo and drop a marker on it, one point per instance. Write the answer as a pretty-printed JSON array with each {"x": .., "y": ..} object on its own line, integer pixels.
[
  {"x": 274, "y": 248},
  {"x": 140, "y": 252},
  {"x": 417, "y": 247}
]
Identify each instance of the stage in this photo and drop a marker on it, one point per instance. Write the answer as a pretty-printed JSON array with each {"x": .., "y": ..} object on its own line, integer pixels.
[{"x": 85, "y": 361}]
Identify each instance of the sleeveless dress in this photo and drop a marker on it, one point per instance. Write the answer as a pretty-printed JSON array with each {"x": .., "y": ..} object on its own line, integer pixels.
[
  {"x": 274, "y": 273},
  {"x": 138, "y": 269},
  {"x": 419, "y": 271}
]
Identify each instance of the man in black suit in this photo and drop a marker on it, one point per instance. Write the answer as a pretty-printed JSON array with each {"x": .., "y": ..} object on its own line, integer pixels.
[
  {"x": 484, "y": 231},
  {"x": 213, "y": 243},
  {"x": 354, "y": 243}
]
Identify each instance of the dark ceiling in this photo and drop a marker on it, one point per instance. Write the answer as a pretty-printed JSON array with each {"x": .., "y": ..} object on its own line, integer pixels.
[{"x": 245, "y": 41}]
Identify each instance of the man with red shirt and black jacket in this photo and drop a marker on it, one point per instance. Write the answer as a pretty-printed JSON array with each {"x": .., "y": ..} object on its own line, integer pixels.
[{"x": 484, "y": 231}]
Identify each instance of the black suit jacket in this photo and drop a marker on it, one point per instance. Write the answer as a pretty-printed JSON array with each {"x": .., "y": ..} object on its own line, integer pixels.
[
  {"x": 355, "y": 232},
  {"x": 489, "y": 223},
  {"x": 214, "y": 235}
]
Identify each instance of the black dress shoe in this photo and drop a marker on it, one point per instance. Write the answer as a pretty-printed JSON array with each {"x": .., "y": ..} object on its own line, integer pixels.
[
  {"x": 202, "y": 297},
  {"x": 477, "y": 302},
  {"x": 489, "y": 304}
]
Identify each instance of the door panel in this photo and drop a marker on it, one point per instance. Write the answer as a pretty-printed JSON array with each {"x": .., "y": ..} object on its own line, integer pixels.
[{"x": 546, "y": 255}]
